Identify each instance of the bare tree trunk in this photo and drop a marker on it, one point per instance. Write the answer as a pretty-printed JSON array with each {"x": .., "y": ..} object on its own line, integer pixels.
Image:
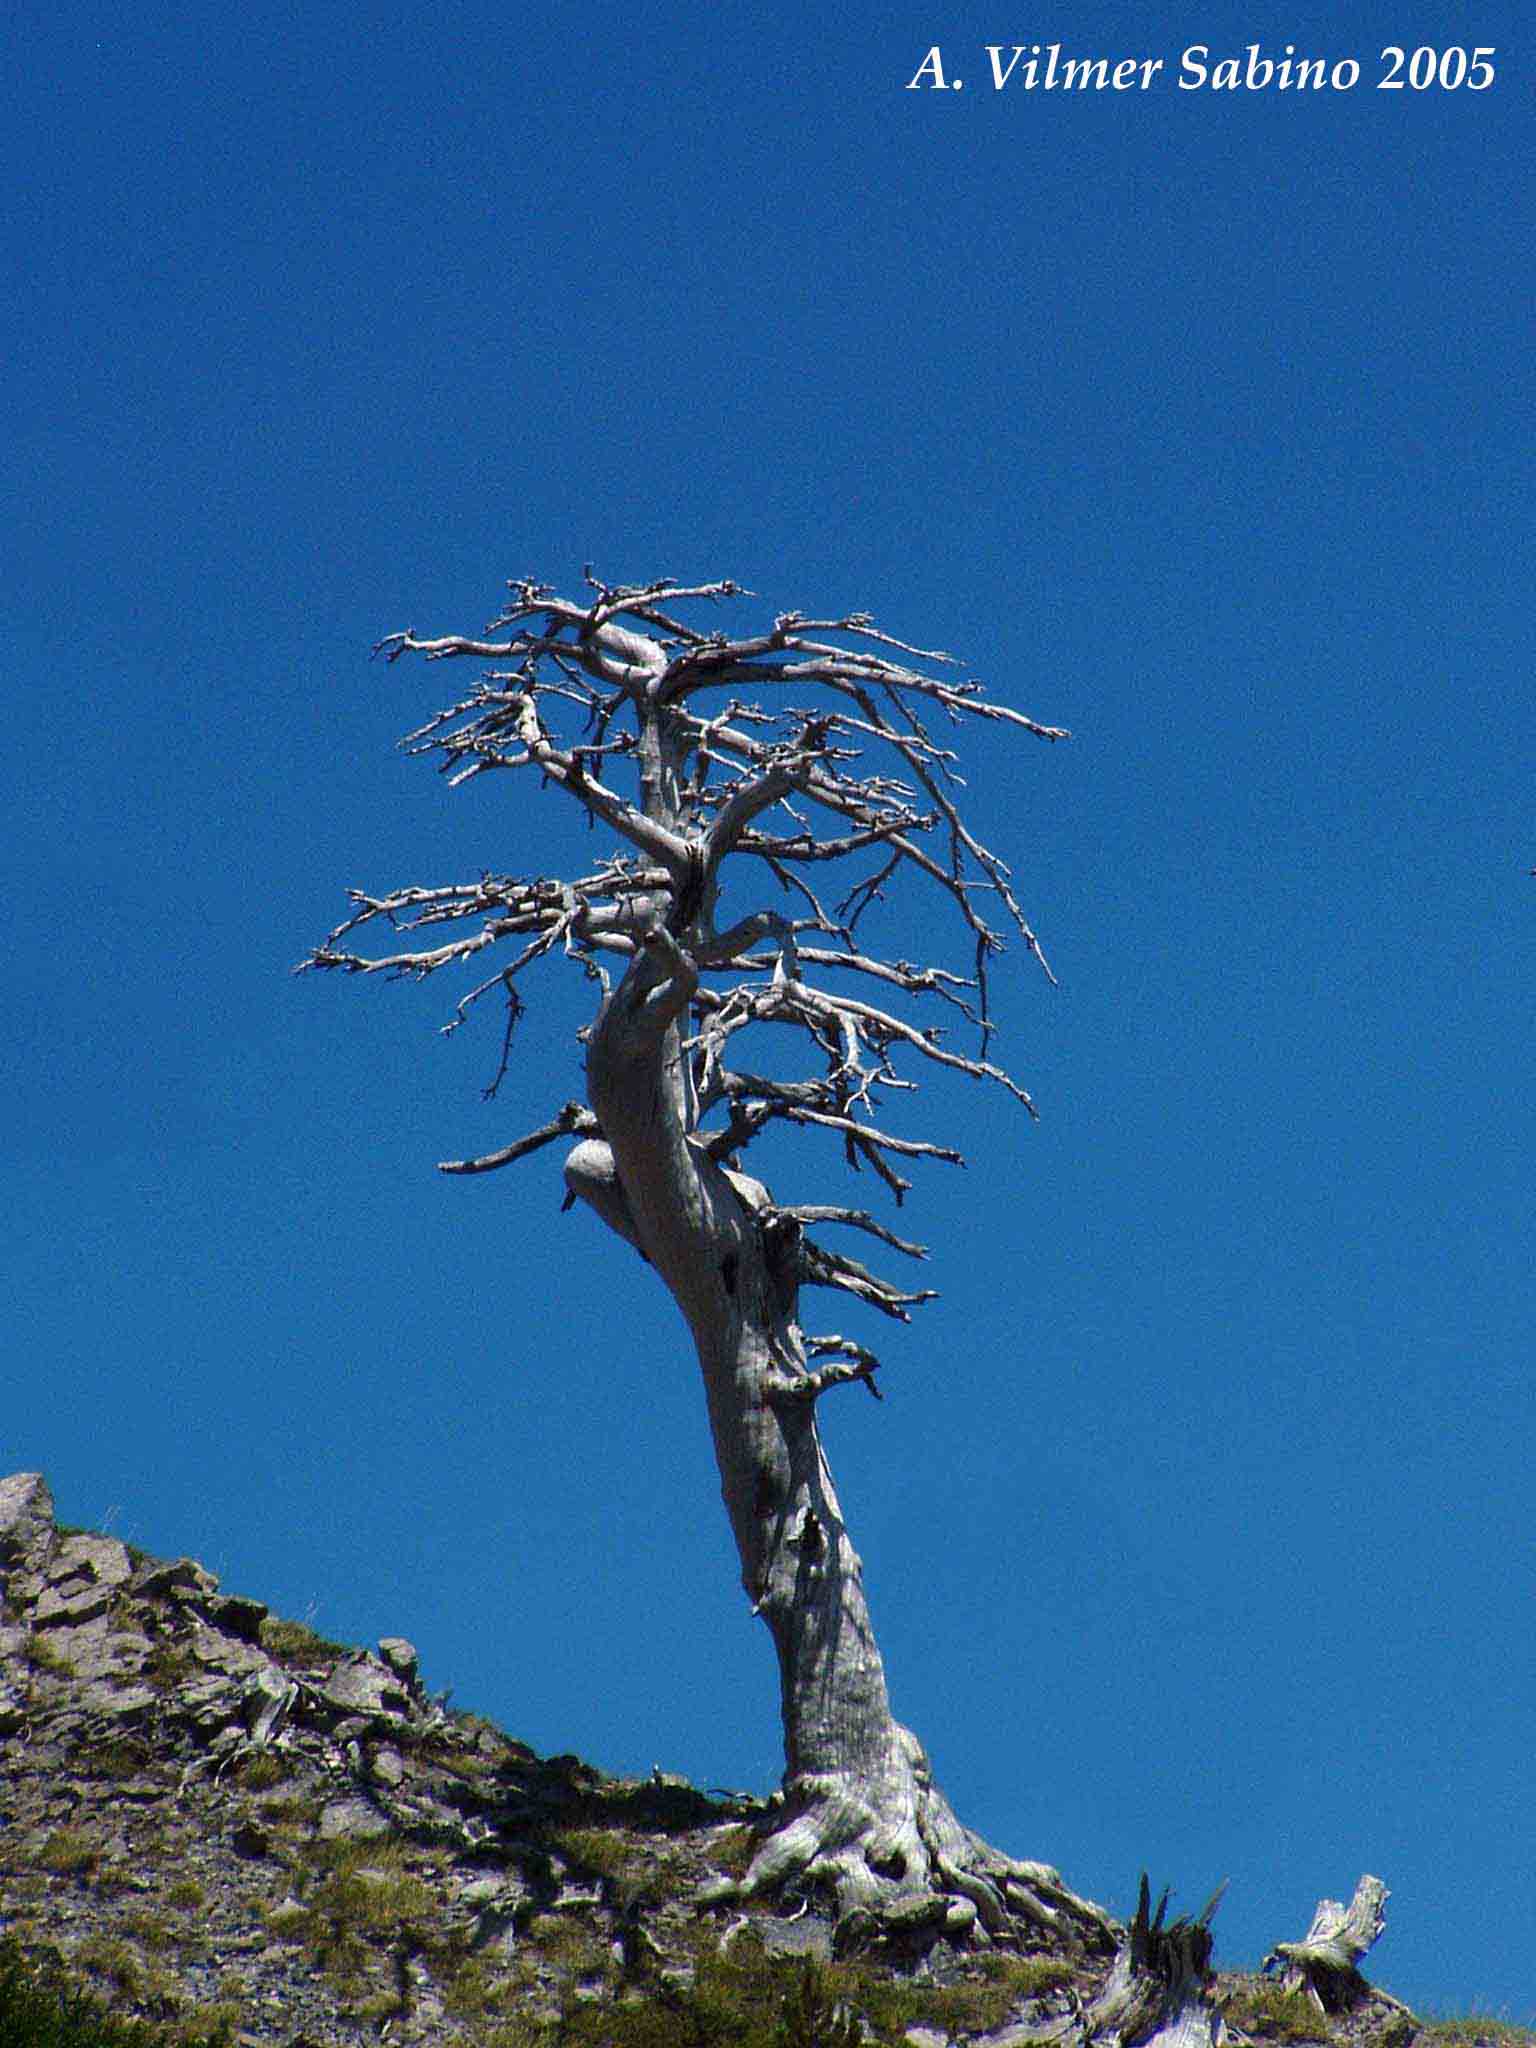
[{"x": 861, "y": 1813}]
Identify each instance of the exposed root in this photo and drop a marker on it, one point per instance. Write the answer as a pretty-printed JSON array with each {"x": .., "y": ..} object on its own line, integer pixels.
[{"x": 896, "y": 1861}]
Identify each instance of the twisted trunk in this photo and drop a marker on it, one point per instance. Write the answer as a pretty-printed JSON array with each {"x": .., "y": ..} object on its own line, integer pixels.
[{"x": 861, "y": 1814}]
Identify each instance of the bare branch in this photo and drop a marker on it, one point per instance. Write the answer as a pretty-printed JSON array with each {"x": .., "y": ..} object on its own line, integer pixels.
[
  {"x": 836, "y": 668},
  {"x": 786, "y": 770},
  {"x": 859, "y": 1219},
  {"x": 896, "y": 1182},
  {"x": 819, "y": 1267},
  {"x": 858, "y": 1364},
  {"x": 901, "y": 974},
  {"x": 883, "y": 1026},
  {"x": 862, "y": 624},
  {"x": 393, "y": 645},
  {"x": 574, "y": 1117},
  {"x": 725, "y": 948},
  {"x": 569, "y": 773},
  {"x": 786, "y": 1100},
  {"x": 551, "y": 910},
  {"x": 682, "y": 790},
  {"x": 805, "y": 846}
]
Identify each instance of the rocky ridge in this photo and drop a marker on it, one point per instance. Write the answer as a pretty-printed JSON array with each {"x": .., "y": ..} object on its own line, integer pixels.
[{"x": 223, "y": 1822}]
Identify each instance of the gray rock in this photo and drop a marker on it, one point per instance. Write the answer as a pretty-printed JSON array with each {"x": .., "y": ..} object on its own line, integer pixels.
[
  {"x": 238, "y": 1616},
  {"x": 807, "y": 1936},
  {"x": 170, "y": 1779},
  {"x": 26, "y": 1535},
  {"x": 97, "y": 1651},
  {"x": 483, "y": 1891},
  {"x": 362, "y": 1686},
  {"x": 401, "y": 1658},
  {"x": 26, "y": 1517},
  {"x": 58, "y": 1605},
  {"x": 266, "y": 1700},
  {"x": 351, "y": 1820},
  {"x": 430, "y": 1817},
  {"x": 208, "y": 1703},
  {"x": 386, "y": 1767},
  {"x": 219, "y": 1652},
  {"x": 95, "y": 1560},
  {"x": 159, "y": 1577},
  {"x": 494, "y": 1931},
  {"x": 122, "y": 1703}
]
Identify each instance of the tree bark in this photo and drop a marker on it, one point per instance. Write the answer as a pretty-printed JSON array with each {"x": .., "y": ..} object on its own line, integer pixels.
[
  {"x": 861, "y": 1814},
  {"x": 1326, "y": 1961},
  {"x": 1155, "y": 1996}
]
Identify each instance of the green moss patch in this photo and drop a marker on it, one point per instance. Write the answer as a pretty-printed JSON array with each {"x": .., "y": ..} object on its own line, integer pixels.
[
  {"x": 291, "y": 1642},
  {"x": 1271, "y": 2014},
  {"x": 43, "y": 2006},
  {"x": 69, "y": 1852}
]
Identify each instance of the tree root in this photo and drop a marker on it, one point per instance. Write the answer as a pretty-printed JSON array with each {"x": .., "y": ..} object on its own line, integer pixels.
[{"x": 897, "y": 1863}]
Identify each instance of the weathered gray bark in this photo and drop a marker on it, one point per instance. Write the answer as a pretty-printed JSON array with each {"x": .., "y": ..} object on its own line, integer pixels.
[
  {"x": 1155, "y": 1995},
  {"x": 1326, "y": 1961},
  {"x": 860, "y": 1813}
]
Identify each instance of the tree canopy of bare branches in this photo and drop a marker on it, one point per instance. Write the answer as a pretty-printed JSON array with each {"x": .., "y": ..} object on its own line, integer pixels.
[{"x": 813, "y": 749}]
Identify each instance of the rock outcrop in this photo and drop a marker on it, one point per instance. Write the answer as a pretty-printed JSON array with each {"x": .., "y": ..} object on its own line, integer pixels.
[{"x": 218, "y": 1820}]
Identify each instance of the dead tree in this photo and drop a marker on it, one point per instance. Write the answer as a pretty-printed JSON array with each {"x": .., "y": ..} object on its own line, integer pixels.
[{"x": 771, "y": 798}]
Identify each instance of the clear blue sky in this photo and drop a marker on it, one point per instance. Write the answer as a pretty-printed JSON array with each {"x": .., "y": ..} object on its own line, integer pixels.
[{"x": 1198, "y": 1521}]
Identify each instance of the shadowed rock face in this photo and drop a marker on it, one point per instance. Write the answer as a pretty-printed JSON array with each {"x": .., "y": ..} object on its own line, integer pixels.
[
  {"x": 204, "y": 1806},
  {"x": 26, "y": 1534},
  {"x": 212, "y": 1813}
]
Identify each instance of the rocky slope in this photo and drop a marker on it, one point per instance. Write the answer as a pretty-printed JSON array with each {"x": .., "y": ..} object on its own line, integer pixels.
[{"x": 221, "y": 1821}]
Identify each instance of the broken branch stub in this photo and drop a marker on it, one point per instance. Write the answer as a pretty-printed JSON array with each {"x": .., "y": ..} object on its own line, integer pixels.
[
  {"x": 1155, "y": 1993},
  {"x": 1327, "y": 1961}
]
